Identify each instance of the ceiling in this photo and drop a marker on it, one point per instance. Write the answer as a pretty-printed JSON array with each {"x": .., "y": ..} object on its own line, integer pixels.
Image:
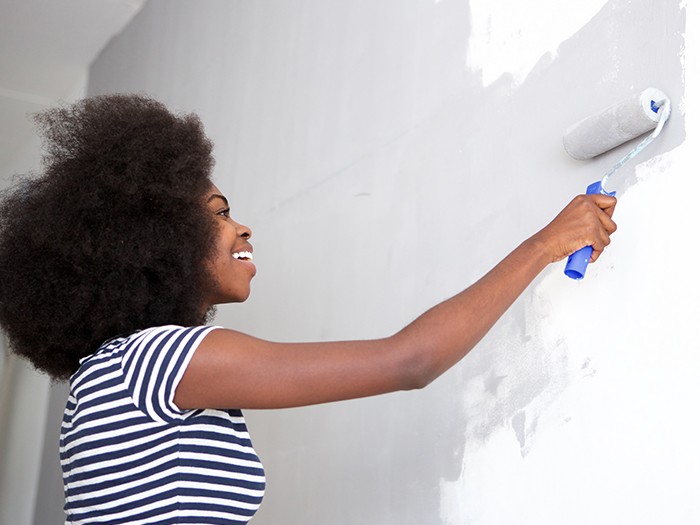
[{"x": 46, "y": 47}]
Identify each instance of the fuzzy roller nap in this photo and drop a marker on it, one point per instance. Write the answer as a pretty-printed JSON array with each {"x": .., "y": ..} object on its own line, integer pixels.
[{"x": 606, "y": 130}]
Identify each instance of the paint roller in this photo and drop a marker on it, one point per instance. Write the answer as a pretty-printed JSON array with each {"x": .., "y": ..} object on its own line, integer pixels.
[{"x": 607, "y": 129}]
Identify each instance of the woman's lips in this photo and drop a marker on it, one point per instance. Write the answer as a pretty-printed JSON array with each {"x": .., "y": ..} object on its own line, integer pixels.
[{"x": 245, "y": 258}]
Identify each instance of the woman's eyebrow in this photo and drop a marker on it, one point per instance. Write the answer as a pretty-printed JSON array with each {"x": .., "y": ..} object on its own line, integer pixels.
[{"x": 215, "y": 195}]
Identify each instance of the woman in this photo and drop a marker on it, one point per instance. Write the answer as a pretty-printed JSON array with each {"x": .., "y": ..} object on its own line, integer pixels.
[{"x": 112, "y": 262}]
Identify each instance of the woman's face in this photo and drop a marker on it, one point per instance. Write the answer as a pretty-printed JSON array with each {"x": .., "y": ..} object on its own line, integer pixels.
[{"x": 232, "y": 266}]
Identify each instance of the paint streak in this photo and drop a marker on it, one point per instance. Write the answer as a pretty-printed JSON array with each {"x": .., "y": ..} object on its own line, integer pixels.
[
  {"x": 511, "y": 37},
  {"x": 518, "y": 424}
]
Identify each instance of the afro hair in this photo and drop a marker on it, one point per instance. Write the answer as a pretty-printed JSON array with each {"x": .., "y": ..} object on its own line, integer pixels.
[{"x": 112, "y": 236}]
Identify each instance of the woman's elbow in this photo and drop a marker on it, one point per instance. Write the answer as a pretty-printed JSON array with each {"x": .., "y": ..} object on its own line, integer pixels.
[
  {"x": 422, "y": 376},
  {"x": 417, "y": 367}
]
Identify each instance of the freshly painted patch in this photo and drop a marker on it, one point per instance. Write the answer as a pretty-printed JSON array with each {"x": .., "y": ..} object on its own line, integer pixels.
[
  {"x": 511, "y": 37},
  {"x": 615, "y": 420}
]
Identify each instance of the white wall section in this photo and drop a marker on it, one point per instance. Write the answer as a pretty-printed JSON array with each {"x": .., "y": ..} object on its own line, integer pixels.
[
  {"x": 599, "y": 427},
  {"x": 511, "y": 37}
]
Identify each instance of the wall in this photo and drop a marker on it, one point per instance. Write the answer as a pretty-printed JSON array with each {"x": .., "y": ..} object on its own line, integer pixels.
[
  {"x": 24, "y": 411},
  {"x": 387, "y": 154}
]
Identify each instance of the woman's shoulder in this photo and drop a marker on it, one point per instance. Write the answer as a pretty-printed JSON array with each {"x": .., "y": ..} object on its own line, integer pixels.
[
  {"x": 128, "y": 345},
  {"x": 126, "y": 340},
  {"x": 150, "y": 332}
]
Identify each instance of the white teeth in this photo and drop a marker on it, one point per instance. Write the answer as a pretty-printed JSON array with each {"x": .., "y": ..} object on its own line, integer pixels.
[{"x": 248, "y": 256}]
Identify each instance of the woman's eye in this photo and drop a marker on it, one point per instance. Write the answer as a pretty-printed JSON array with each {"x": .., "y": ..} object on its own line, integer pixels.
[{"x": 225, "y": 213}]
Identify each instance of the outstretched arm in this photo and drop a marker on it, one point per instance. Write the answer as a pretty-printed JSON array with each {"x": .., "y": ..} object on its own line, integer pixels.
[{"x": 235, "y": 370}]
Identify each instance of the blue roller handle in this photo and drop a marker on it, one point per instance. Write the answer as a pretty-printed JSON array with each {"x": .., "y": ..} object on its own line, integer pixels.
[{"x": 578, "y": 261}]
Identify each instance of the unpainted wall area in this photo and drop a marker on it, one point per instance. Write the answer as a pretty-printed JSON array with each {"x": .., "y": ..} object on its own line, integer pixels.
[{"x": 385, "y": 158}]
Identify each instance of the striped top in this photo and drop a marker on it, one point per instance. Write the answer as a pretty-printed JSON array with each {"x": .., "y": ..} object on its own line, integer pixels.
[{"x": 130, "y": 456}]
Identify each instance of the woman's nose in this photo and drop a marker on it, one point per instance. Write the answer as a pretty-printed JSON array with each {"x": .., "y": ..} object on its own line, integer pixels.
[{"x": 244, "y": 231}]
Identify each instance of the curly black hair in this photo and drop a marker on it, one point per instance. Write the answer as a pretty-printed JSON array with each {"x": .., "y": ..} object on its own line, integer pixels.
[{"x": 112, "y": 236}]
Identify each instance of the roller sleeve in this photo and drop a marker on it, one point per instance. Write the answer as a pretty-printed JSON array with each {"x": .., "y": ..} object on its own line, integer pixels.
[{"x": 614, "y": 125}]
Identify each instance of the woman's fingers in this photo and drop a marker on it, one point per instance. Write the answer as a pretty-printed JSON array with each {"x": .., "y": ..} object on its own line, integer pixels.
[{"x": 585, "y": 221}]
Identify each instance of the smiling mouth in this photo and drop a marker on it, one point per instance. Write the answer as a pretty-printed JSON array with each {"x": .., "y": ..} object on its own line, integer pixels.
[{"x": 243, "y": 256}]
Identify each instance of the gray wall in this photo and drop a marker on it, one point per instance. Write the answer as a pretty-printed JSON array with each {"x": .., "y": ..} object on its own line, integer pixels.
[{"x": 386, "y": 155}]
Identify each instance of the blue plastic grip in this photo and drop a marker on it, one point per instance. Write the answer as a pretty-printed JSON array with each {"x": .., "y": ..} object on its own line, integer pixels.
[{"x": 578, "y": 261}]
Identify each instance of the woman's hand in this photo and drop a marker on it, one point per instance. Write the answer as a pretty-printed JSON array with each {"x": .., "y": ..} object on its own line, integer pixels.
[{"x": 586, "y": 221}]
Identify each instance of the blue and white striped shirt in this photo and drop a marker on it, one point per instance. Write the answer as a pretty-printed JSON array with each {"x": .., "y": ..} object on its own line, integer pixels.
[{"x": 130, "y": 455}]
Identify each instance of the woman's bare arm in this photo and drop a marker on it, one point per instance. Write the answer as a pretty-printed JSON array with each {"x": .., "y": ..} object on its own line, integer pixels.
[{"x": 234, "y": 370}]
